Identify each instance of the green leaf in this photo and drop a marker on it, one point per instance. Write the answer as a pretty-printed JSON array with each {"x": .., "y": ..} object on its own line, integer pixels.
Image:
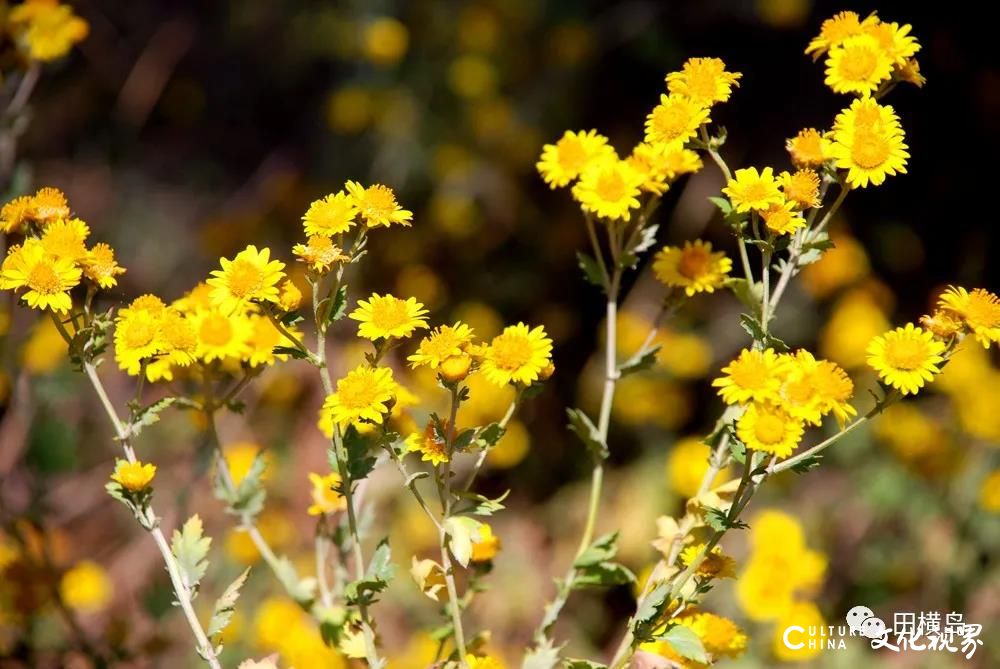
[
  {"x": 640, "y": 361},
  {"x": 604, "y": 548},
  {"x": 463, "y": 532},
  {"x": 225, "y": 605},
  {"x": 738, "y": 450},
  {"x": 813, "y": 249},
  {"x": 360, "y": 461},
  {"x": 591, "y": 270},
  {"x": 150, "y": 414},
  {"x": 339, "y": 306},
  {"x": 464, "y": 438},
  {"x": 250, "y": 493},
  {"x": 603, "y": 574},
  {"x": 582, "y": 426},
  {"x": 291, "y": 318},
  {"x": 573, "y": 663},
  {"x": 292, "y": 351},
  {"x": 190, "y": 548},
  {"x": 685, "y": 643},
  {"x": 749, "y": 295},
  {"x": 647, "y": 615},
  {"x": 756, "y": 331},
  {"x": 724, "y": 205},
  {"x": 808, "y": 464},
  {"x": 719, "y": 520},
  {"x": 481, "y": 505},
  {"x": 301, "y": 590},
  {"x": 489, "y": 435},
  {"x": 376, "y": 579}
]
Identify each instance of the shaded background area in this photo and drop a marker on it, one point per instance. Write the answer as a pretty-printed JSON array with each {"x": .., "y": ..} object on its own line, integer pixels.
[{"x": 182, "y": 131}]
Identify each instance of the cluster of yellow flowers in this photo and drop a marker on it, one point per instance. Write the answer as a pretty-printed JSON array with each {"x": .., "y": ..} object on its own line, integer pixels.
[{"x": 44, "y": 30}]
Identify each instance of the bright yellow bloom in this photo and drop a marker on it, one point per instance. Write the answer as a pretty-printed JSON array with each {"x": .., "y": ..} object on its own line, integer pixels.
[
  {"x": 101, "y": 267},
  {"x": 48, "y": 206},
  {"x": 562, "y": 162},
  {"x": 866, "y": 114},
  {"x": 47, "y": 29},
  {"x": 16, "y": 213},
  {"x": 264, "y": 336},
  {"x": 47, "y": 280},
  {"x": 486, "y": 546},
  {"x": 446, "y": 341},
  {"x": 675, "y": 119},
  {"x": 801, "y": 188},
  {"x": 858, "y": 65},
  {"x": 674, "y": 160},
  {"x": 133, "y": 476},
  {"x": 364, "y": 394},
  {"x": 910, "y": 73},
  {"x": 137, "y": 333},
  {"x": 289, "y": 297},
  {"x": 687, "y": 463},
  {"x": 895, "y": 41},
  {"x": 86, "y": 587},
  {"x": 905, "y": 358},
  {"x": 178, "y": 342},
  {"x": 197, "y": 299},
  {"x": 693, "y": 267},
  {"x": 429, "y": 444},
  {"x": 754, "y": 376},
  {"x": 240, "y": 457},
  {"x": 66, "y": 239},
  {"x": 805, "y": 616},
  {"x": 720, "y": 636},
  {"x": 644, "y": 161},
  {"x": 716, "y": 564},
  {"x": 704, "y": 81},
  {"x": 834, "y": 31},
  {"x": 751, "y": 190},
  {"x": 943, "y": 324},
  {"x": 319, "y": 253},
  {"x": 483, "y": 662},
  {"x": 517, "y": 355},
  {"x": 609, "y": 188},
  {"x": 221, "y": 336},
  {"x": 979, "y": 310},
  {"x": 813, "y": 388},
  {"x": 385, "y": 316},
  {"x": 809, "y": 148},
  {"x": 377, "y": 205},
  {"x": 250, "y": 276},
  {"x": 870, "y": 156},
  {"x": 331, "y": 215},
  {"x": 783, "y": 219},
  {"x": 768, "y": 428},
  {"x": 989, "y": 492},
  {"x": 324, "y": 496}
]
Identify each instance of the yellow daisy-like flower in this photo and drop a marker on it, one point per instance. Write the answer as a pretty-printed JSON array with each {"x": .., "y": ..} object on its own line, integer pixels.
[
  {"x": 86, "y": 587},
  {"x": 704, "y": 81},
  {"x": 834, "y": 31},
  {"x": 429, "y": 444},
  {"x": 715, "y": 565},
  {"x": 319, "y": 253},
  {"x": 486, "y": 547},
  {"x": 866, "y": 114},
  {"x": 858, "y": 65},
  {"x": 46, "y": 280},
  {"x": 895, "y": 41},
  {"x": 16, "y": 213},
  {"x": 447, "y": 341},
  {"x": 66, "y": 239},
  {"x": 905, "y": 358},
  {"x": 517, "y": 355},
  {"x": 720, "y": 636},
  {"x": 674, "y": 160},
  {"x": 48, "y": 206},
  {"x": 783, "y": 219},
  {"x": 609, "y": 188},
  {"x": 221, "y": 335},
  {"x": 675, "y": 119},
  {"x": 137, "y": 333},
  {"x": 979, "y": 310},
  {"x": 47, "y": 29},
  {"x": 178, "y": 342},
  {"x": 770, "y": 429},
  {"x": 364, "y": 394},
  {"x": 910, "y": 73},
  {"x": 289, "y": 296},
  {"x": 693, "y": 267},
  {"x": 644, "y": 160},
  {"x": 325, "y": 498},
  {"x": 751, "y": 190},
  {"x": 869, "y": 157},
  {"x": 562, "y": 162},
  {"x": 754, "y": 376},
  {"x": 331, "y": 215},
  {"x": 197, "y": 299},
  {"x": 250, "y": 276},
  {"x": 101, "y": 267},
  {"x": 801, "y": 188},
  {"x": 385, "y": 316},
  {"x": 133, "y": 476},
  {"x": 377, "y": 205},
  {"x": 809, "y": 148},
  {"x": 264, "y": 336},
  {"x": 943, "y": 324},
  {"x": 813, "y": 388}
]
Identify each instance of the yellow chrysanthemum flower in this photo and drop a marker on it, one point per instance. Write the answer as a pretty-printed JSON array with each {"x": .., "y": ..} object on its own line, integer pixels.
[
  {"x": 834, "y": 31},
  {"x": 609, "y": 188},
  {"x": 446, "y": 341},
  {"x": 137, "y": 333},
  {"x": 870, "y": 156},
  {"x": 687, "y": 463},
  {"x": 674, "y": 160},
  {"x": 704, "y": 81},
  {"x": 428, "y": 444},
  {"x": 377, "y": 205},
  {"x": 783, "y": 219},
  {"x": 46, "y": 280},
  {"x": 910, "y": 73},
  {"x": 47, "y": 29},
  {"x": 49, "y": 205},
  {"x": 486, "y": 546},
  {"x": 86, "y": 587},
  {"x": 751, "y": 190},
  {"x": 768, "y": 428},
  {"x": 644, "y": 161},
  {"x": 979, "y": 310},
  {"x": 517, "y": 355},
  {"x": 289, "y": 296},
  {"x": 562, "y": 162},
  {"x": 715, "y": 565},
  {"x": 943, "y": 324},
  {"x": 754, "y": 376},
  {"x": 133, "y": 476},
  {"x": 895, "y": 41},
  {"x": 319, "y": 253},
  {"x": 866, "y": 114},
  {"x": 197, "y": 299},
  {"x": 905, "y": 358},
  {"x": 693, "y": 267},
  {"x": 363, "y": 395},
  {"x": 809, "y": 148},
  {"x": 101, "y": 267},
  {"x": 331, "y": 215},
  {"x": 385, "y": 316},
  {"x": 221, "y": 336},
  {"x": 813, "y": 388},
  {"x": 250, "y": 276},
  {"x": 325, "y": 498},
  {"x": 801, "y": 188},
  {"x": 858, "y": 65},
  {"x": 16, "y": 213},
  {"x": 675, "y": 119},
  {"x": 66, "y": 239},
  {"x": 264, "y": 336},
  {"x": 178, "y": 342},
  {"x": 721, "y": 637}
]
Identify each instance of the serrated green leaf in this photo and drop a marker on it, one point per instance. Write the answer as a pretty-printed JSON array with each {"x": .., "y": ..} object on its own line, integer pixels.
[
  {"x": 591, "y": 270},
  {"x": 225, "y": 605},
  {"x": 376, "y": 579},
  {"x": 604, "y": 548},
  {"x": 737, "y": 450},
  {"x": 756, "y": 331},
  {"x": 481, "y": 505},
  {"x": 360, "y": 461},
  {"x": 339, "y": 306},
  {"x": 582, "y": 426},
  {"x": 648, "y": 613},
  {"x": 640, "y": 361},
  {"x": 489, "y": 435},
  {"x": 150, "y": 414},
  {"x": 464, "y": 438},
  {"x": 190, "y": 548},
  {"x": 603, "y": 574},
  {"x": 685, "y": 643}
]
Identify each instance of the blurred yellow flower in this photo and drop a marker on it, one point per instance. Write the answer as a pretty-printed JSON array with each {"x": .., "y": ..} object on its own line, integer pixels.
[
  {"x": 834, "y": 31},
  {"x": 221, "y": 336},
  {"x": 385, "y": 40},
  {"x": 483, "y": 662},
  {"x": 856, "y": 319},
  {"x": 720, "y": 636},
  {"x": 643, "y": 399},
  {"x": 86, "y": 587},
  {"x": 47, "y": 29},
  {"x": 687, "y": 463},
  {"x": 716, "y": 564},
  {"x": 512, "y": 447},
  {"x": 472, "y": 76},
  {"x": 324, "y": 496},
  {"x": 806, "y": 616},
  {"x": 561, "y": 163},
  {"x": 839, "y": 266},
  {"x": 979, "y": 310},
  {"x": 273, "y": 525},
  {"x": 989, "y": 492},
  {"x": 45, "y": 349},
  {"x": 486, "y": 545},
  {"x": 240, "y": 456}
]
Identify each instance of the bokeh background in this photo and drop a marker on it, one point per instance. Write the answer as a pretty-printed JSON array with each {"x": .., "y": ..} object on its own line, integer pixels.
[{"x": 182, "y": 131}]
